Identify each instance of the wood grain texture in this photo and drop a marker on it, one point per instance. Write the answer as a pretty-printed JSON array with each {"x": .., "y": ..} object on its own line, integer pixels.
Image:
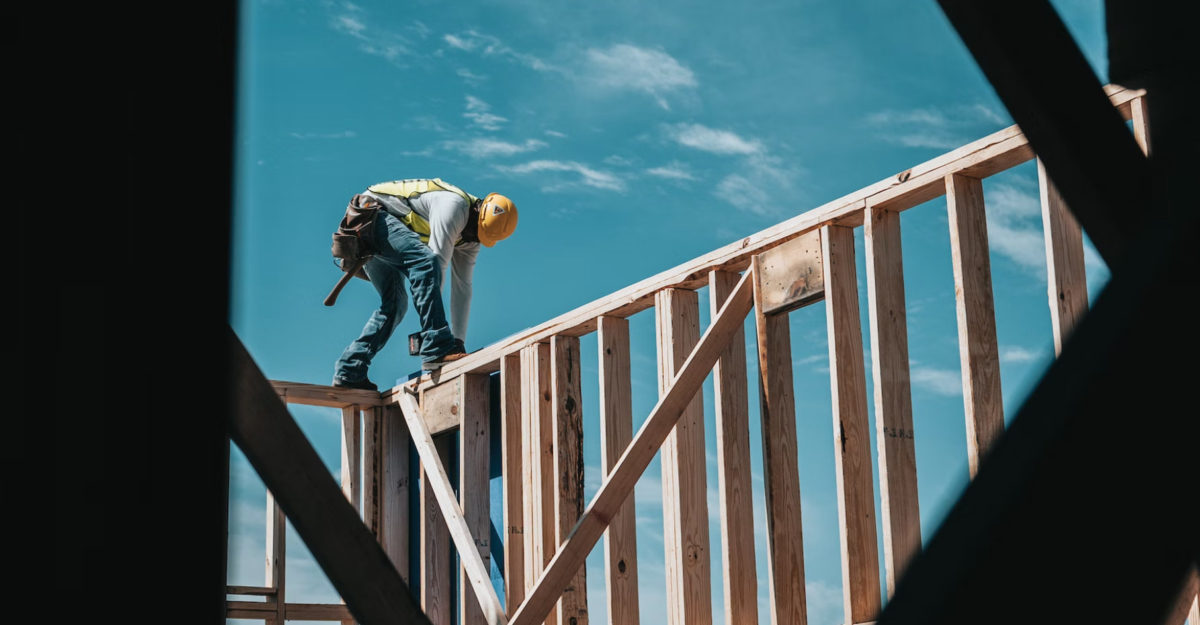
[
  {"x": 892, "y": 386},
  {"x": 619, "y": 485},
  {"x": 567, "y": 419},
  {"x": 446, "y": 507},
  {"x": 731, "y": 397},
  {"x": 372, "y": 479},
  {"x": 328, "y": 396},
  {"x": 777, "y": 409},
  {"x": 539, "y": 492},
  {"x": 395, "y": 485},
  {"x": 318, "y": 612},
  {"x": 512, "y": 448},
  {"x": 791, "y": 274},
  {"x": 1140, "y": 116},
  {"x": 440, "y": 405},
  {"x": 435, "y": 539},
  {"x": 474, "y": 488},
  {"x": 684, "y": 481},
  {"x": 351, "y": 455},
  {"x": 1066, "y": 277},
  {"x": 991, "y": 154},
  {"x": 276, "y": 558},
  {"x": 978, "y": 352},
  {"x": 616, "y": 430},
  {"x": 250, "y": 590},
  {"x": 851, "y": 429}
]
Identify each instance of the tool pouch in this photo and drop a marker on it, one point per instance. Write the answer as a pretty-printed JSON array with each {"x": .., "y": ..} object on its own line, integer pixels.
[{"x": 353, "y": 241}]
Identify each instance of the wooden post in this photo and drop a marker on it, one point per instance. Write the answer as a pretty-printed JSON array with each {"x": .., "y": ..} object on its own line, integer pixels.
[
  {"x": 616, "y": 430},
  {"x": 1066, "y": 278},
  {"x": 539, "y": 490},
  {"x": 372, "y": 445},
  {"x": 733, "y": 465},
  {"x": 685, "y": 493},
  {"x": 977, "y": 348},
  {"x": 851, "y": 429},
  {"x": 276, "y": 557},
  {"x": 1141, "y": 129},
  {"x": 514, "y": 462},
  {"x": 351, "y": 459},
  {"x": 567, "y": 419},
  {"x": 893, "y": 393},
  {"x": 394, "y": 487},
  {"x": 785, "y": 545},
  {"x": 473, "y": 489},
  {"x": 435, "y": 544}
]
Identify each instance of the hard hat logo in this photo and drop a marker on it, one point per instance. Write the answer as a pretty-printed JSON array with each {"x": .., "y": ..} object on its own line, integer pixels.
[{"x": 497, "y": 219}]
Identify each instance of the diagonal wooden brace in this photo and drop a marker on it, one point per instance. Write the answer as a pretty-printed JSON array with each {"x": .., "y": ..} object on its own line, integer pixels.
[
  {"x": 619, "y": 485},
  {"x": 439, "y": 482}
]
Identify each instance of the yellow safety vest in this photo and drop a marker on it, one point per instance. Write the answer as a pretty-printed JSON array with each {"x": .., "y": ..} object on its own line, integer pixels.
[{"x": 409, "y": 189}]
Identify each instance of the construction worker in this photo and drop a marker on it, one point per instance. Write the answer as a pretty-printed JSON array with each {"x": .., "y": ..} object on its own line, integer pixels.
[{"x": 426, "y": 225}]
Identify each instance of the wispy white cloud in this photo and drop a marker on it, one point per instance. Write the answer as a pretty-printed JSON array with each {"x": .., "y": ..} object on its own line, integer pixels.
[
  {"x": 587, "y": 176},
  {"x": 626, "y": 67},
  {"x": 712, "y": 140},
  {"x": 470, "y": 77},
  {"x": 479, "y": 112},
  {"x": 946, "y": 382},
  {"x": 345, "y": 134},
  {"x": 1016, "y": 353},
  {"x": 376, "y": 41},
  {"x": 556, "y": 134},
  {"x": 487, "y": 45},
  {"x": 1015, "y": 226},
  {"x": 672, "y": 171},
  {"x": 824, "y": 603},
  {"x": 938, "y": 128},
  {"x": 484, "y": 147}
]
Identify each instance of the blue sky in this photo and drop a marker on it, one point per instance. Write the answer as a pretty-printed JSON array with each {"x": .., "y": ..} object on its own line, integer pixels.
[{"x": 632, "y": 137}]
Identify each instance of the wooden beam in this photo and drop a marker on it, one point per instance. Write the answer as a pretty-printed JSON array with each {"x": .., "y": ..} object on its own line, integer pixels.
[
  {"x": 730, "y": 397},
  {"x": 616, "y": 430},
  {"x": 567, "y": 419},
  {"x": 851, "y": 429},
  {"x": 317, "y": 612},
  {"x": 893, "y": 393},
  {"x": 276, "y": 557},
  {"x": 256, "y": 610},
  {"x": 619, "y": 485},
  {"x": 250, "y": 590},
  {"x": 1066, "y": 277},
  {"x": 441, "y": 407},
  {"x": 351, "y": 456},
  {"x": 684, "y": 475},
  {"x": 353, "y": 561},
  {"x": 395, "y": 487},
  {"x": 1050, "y": 90},
  {"x": 329, "y": 396},
  {"x": 474, "y": 488},
  {"x": 373, "y": 472},
  {"x": 512, "y": 448},
  {"x": 436, "y": 582},
  {"x": 1185, "y": 607},
  {"x": 990, "y": 155},
  {"x": 539, "y": 491},
  {"x": 791, "y": 274},
  {"x": 1140, "y": 116},
  {"x": 434, "y": 474},
  {"x": 777, "y": 409},
  {"x": 977, "y": 347}
]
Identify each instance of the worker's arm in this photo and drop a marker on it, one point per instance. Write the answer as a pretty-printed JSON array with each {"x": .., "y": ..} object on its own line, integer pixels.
[{"x": 461, "y": 270}]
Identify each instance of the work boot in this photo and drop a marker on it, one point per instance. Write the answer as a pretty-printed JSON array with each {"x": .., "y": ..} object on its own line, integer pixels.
[
  {"x": 363, "y": 384},
  {"x": 456, "y": 352}
]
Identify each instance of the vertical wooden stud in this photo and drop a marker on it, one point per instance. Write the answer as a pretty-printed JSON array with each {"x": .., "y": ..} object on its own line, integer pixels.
[
  {"x": 733, "y": 465},
  {"x": 351, "y": 459},
  {"x": 473, "y": 484},
  {"x": 511, "y": 477},
  {"x": 785, "y": 545},
  {"x": 1141, "y": 129},
  {"x": 276, "y": 557},
  {"x": 851, "y": 429},
  {"x": 616, "y": 430},
  {"x": 1066, "y": 278},
  {"x": 394, "y": 487},
  {"x": 977, "y": 347},
  {"x": 539, "y": 502},
  {"x": 685, "y": 505},
  {"x": 435, "y": 545},
  {"x": 893, "y": 393},
  {"x": 567, "y": 423},
  {"x": 372, "y": 445}
]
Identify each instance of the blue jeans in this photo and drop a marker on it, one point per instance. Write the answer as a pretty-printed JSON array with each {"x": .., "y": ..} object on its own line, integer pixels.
[{"x": 400, "y": 255}]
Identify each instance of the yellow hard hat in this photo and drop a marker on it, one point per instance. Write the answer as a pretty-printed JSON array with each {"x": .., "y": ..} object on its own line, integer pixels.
[{"x": 497, "y": 219}]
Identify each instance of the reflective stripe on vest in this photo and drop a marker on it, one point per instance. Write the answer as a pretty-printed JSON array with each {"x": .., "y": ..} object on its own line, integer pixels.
[{"x": 409, "y": 189}]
